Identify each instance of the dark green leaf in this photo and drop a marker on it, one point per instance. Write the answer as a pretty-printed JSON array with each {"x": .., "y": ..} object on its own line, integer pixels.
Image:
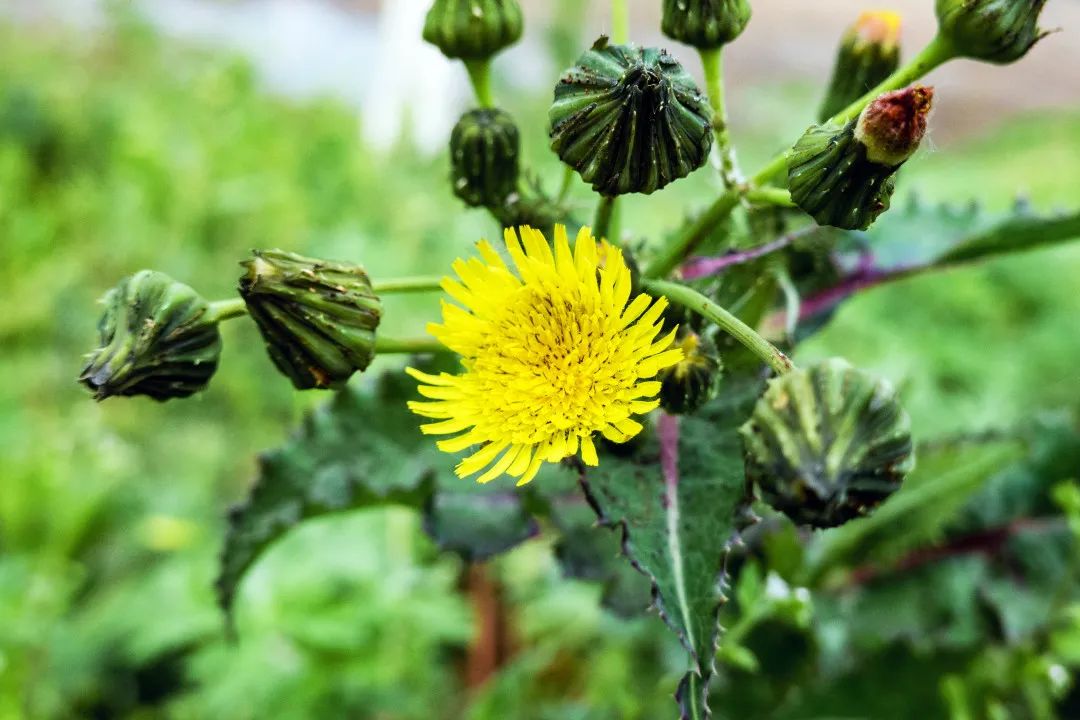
[{"x": 677, "y": 500}]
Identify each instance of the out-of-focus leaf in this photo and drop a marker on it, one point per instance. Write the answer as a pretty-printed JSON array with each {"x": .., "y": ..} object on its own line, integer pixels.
[
  {"x": 944, "y": 478},
  {"x": 677, "y": 500},
  {"x": 364, "y": 448}
]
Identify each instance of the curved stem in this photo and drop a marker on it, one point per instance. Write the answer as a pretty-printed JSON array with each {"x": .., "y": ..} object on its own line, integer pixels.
[
  {"x": 480, "y": 77},
  {"x": 603, "y": 224},
  {"x": 693, "y": 300},
  {"x": 428, "y": 283},
  {"x": 936, "y": 52},
  {"x": 385, "y": 345},
  {"x": 712, "y": 62},
  {"x": 620, "y": 22},
  {"x": 227, "y": 309}
]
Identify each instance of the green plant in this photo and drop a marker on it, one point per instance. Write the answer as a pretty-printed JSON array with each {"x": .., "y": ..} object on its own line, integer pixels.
[{"x": 675, "y": 487}]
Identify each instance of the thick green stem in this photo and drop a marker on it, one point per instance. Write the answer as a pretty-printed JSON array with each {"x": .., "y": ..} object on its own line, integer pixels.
[
  {"x": 769, "y": 196},
  {"x": 480, "y": 77},
  {"x": 712, "y": 61},
  {"x": 604, "y": 225},
  {"x": 227, "y": 309},
  {"x": 937, "y": 52},
  {"x": 428, "y": 283},
  {"x": 567, "y": 183},
  {"x": 620, "y": 22},
  {"x": 387, "y": 346},
  {"x": 693, "y": 300}
]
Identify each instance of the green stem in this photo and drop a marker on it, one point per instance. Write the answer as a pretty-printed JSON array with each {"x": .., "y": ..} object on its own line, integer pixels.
[
  {"x": 227, "y": 309},
  {"x": 567, "y": 183},
  {"x": 385, "y": 345},
  {"x": 693, "y": 300},
  {"x": 620, "y": 22},
  {"x": 769, "y": 196},
  {"x": 712, "y": 62},
  {"x": 480, "y": 77},
  {"x": 684, "y": 243},
  {"x": 936, "y": 52},
  {"x": 429, "y": 283},
  {"x": 604, "y": 226}
]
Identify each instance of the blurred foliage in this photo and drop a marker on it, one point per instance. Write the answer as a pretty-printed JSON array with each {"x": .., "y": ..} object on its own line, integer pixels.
[{"x": 119, "y": 151}]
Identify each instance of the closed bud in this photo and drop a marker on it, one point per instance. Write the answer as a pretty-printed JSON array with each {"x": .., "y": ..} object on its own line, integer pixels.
[
  {"x": 843, "y": 175},
  {"x": 827, "y": 444},
  {"x": 630, "y": 119},
  {"x": 705, "y": 24},
  {"x": 157, "y": 337},
  {"x": 484, "y": 148},
  {"x": 693, "y": 381},
  {"x": 869, "y": 52},
  {"x": 997, "y": 31},
  {"x": 318, "y": 317},
  {"x": 473, "y": 29}
]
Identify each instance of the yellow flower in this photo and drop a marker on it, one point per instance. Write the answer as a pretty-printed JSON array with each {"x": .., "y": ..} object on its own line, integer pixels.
[{"x": 553, "y": 352}]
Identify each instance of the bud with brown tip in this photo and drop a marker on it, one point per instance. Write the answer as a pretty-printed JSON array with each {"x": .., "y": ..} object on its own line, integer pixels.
[{"x": 843, "y": 175}]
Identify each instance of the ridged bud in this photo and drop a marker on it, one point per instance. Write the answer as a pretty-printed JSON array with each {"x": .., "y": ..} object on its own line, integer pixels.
[
  {"x": 630, "y": 119},
  {"x": 827, "y": 444},
  {"x": 704, "y": 24},
  {"x": 484, "y": 147},
  {"x": 318, "y": 317},
  {"x": 869, "y": 52},
  {"x": 693, "y": 381},
  {"x": 843, "y": 175},
  {"x": 473, "y": 29},
  {"x": 997, "y": 31},
  {"x": 157, "y": 337}
]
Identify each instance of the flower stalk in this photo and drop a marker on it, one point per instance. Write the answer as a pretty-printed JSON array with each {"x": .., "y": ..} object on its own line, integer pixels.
[
  {"x": 480, "y": 78},
  {"x": 712, "y": 62},
  {"x": 695, "y": 301}
]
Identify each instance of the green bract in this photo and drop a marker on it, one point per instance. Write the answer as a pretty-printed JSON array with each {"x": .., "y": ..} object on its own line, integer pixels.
[
  {"x": 705, "y": 24},
  {"x": 997, "y": 31},
  {"x": 473, "y": 29},
  {"x": 484, "y": 149},
  {"x": 630, "y": 119},
  {"x": 318, "y": 317},
  {"x": 827, "y": 443},
  {"x": 157, "y": 337}
]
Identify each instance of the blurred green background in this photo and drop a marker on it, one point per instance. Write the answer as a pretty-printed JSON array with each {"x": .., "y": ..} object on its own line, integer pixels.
[{"x": 120, "y": 149}]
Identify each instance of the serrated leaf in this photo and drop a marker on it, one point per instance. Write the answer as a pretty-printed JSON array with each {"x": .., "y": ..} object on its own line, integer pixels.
[
  {"x": 677, "y": 501},
  {"x": 363, "y": 448}
]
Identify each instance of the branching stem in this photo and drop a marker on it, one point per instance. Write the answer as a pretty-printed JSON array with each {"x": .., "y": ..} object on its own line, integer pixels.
[
  {"x": 390, "y": 346},
  {"x": 425, "y": 283},
  {"x": 937, "y": 52}
]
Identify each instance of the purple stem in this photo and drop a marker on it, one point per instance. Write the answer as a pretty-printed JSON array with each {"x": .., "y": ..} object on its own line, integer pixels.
[
  {"x": 668, "y": 430},
  {"x": 861, "y": 279},
  {"x": 699, "y": 267}
]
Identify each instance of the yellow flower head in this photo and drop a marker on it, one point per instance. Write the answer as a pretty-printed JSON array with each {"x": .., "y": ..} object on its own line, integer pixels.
[{"x": 553, "y": 351}]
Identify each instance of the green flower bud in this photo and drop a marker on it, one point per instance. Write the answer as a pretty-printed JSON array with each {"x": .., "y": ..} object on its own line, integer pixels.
[
  {"x": 473, "y": 29},
  {"x": 691, "y": 383},
  {"x": 318, "y": 317},
  {"x": 843, "y": 175},
  {"x": 705, "y": 24},
  {"x": 997, "y": 31},
  {"x": 630, "y": 119},
  {"x": 157, "y": 337},
  {"x": 869, "y": 52},
  {"x": 484, "y": 149},
  {"x": 827, "y": 444}
]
